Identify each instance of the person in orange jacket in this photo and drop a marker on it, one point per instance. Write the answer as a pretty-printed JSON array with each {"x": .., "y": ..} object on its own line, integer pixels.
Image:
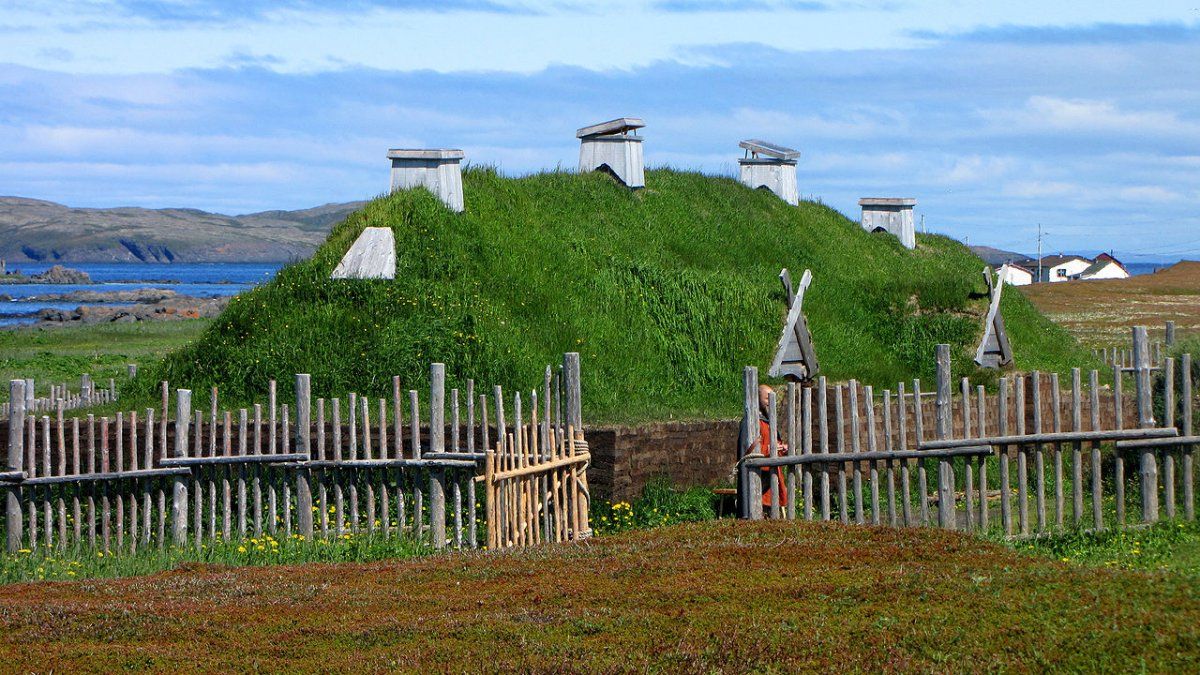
[{"x": 764, "y": 447}]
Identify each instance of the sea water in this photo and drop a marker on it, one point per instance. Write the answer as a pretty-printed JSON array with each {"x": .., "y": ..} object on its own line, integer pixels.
[{"x": 203, "y": 280}]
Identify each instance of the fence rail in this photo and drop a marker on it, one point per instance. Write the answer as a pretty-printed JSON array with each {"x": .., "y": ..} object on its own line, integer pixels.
[
  {"x": 841, "y": 452},
  {"x": 181, "y": 476}
]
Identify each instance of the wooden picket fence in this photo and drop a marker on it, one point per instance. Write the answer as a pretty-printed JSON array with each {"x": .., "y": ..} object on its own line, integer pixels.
[
  {"x": 860, "y": 458},
  {"x": 353, "y": 465},
  {"x": 1123, "y": 356},
  {"x": 61, "y": 395}
]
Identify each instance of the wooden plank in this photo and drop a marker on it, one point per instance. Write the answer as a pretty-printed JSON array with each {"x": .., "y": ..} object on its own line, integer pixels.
[
  {"x": 823, "y": 431},
  {"x": 981, "y": 423},
  {"x": 1039, "y": 452},
  {"x": 367, "y": 476},
  {"x": 620, "y": 125},
  {"x": 1118, "y": 460},
  {"x": 1097, "y": 473},
  {"x": 1022, "y": 461},
  {"x": 1168, "y": 468},
  {"x": 179, "y": 505},
  {"x": 16, "y": 461},
  {"x": 840, "y": 412},
  {"x": 750, "y": 483},
  {"x": 889, "y": 446},
  {"x": 919, "y": 430},
  {"x": 902, "y": 444},
  {"x": 1189, "y": 402},
  {"x": 1077, "y": 447},
  {"x": 1051, "y": 437},
  {"x": 806, "y": 448},
  {"x": 437, "y": 440},
  {"x": 285, "y": 445},
  {"x": 1148, "y": 466},
  {"x": 256, "y": 490},
  {"x": 339, "y": 498},
  {"x": 773, "y": 445},
  {"x": 968, "y": 468},
  {"x": 1059, "y": 493},
  {"x": 382, "y": 483},
  {"x": 772, "y": 150},
  {"x": 226, "y": 477},
  {"x": 418, "y": 494},
  {"x": 866, "y": 456},
  {"x": 943, "y": 428},
  {"x": 872, "y": 446},
  {"x": 790, "y": 413},
  {"x": 856, "y": 444}
]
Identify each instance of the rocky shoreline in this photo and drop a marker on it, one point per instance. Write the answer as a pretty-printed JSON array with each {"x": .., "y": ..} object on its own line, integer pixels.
[
  {"x": 148, "y": 304},
  {"x": 173, "y": 309},
  {"x": 55, "y": 275}
]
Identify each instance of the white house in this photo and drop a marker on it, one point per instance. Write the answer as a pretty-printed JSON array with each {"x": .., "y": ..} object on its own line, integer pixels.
[
  {"x": 1057, "y": 268},
  {"x": 1105, "y": 267},
  {"x": 1016, "y": 275}
]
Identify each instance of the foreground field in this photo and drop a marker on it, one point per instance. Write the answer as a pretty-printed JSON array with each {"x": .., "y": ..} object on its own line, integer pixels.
[
  {"x": 57, "y": 355},
  {"x": 1099, "y": 313},
  {"x": 713, "y": 596}
]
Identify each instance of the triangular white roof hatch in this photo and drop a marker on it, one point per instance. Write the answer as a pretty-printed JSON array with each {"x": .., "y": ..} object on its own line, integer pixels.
[
  {"x": 795, "y": 357},
  {"x": 994, "y": 350},
  {"x": 372, "y": 256}
]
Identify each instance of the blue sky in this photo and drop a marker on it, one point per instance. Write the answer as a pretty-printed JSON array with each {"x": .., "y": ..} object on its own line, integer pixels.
[{"x": 1081, "y": 116}]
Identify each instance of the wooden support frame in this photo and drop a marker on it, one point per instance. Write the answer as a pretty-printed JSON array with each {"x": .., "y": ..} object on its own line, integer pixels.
[
  {"x": 994, "y": 349},
  {"x": 795, "y": 357}
]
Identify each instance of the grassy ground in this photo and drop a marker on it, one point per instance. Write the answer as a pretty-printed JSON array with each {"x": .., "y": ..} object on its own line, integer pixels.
[
  {"x": 1172, "y": 546},
  {"x": 58, "y": 355},
  {"x": 667, "y": 292},
  {"x": 702, "y": 597},
  {"x": 68, "y": 565},
  {"x": 1100, "y": 313}
]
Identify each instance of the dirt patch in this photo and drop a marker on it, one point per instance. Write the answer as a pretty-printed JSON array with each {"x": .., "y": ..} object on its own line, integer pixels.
[{"x": 1100, "y": 313}]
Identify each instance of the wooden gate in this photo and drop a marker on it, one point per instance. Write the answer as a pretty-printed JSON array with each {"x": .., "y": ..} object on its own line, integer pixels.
[{"x": 536, "y": 477}]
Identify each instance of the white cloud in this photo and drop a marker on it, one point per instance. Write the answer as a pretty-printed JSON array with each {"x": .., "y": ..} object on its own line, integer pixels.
[{"x": 1048, "y": 114}]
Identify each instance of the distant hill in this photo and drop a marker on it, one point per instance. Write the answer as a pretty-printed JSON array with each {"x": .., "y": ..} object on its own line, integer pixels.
[
  {"x": 33, "y": 230},
  {"x": 997, "y": 256}
]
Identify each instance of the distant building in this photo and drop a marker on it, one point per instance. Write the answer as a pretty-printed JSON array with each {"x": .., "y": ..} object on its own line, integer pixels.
[
  {"x": 1056, "y": 268},
  {"x": 1105, "y": 267},
  {"x": 1017, "y": 275}
]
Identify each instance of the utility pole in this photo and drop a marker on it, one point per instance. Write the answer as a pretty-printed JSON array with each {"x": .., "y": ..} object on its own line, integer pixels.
[{"x": 1040, "y": 253}]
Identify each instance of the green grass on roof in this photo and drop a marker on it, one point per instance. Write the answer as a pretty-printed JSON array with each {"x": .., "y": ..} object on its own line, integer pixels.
[{"x": 667, "y": 292}]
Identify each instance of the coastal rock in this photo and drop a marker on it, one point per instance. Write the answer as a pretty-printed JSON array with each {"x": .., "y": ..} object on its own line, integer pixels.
[
  {"x": 172, "y": 309},
  {"x": 55, "y": 275},
  {"x": 61, "y": 275}
]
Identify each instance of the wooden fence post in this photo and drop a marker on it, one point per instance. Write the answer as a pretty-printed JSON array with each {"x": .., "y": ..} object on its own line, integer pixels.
[
  {"x": 16, "y": 462},
  {"x": 1170, "y": 339},
  {"x": 304, "y": 515},
  {"x": 179, "y": 501},
  {"x": 574, "y": 392},
  {"x": 437, "y": 444},
  {"x": 573, "y": 377},
  {"x": 1145, "y": 402},
  {"x": 749, "y": 480},
  {"x": 1189, "y": 509},
  {"x": 946, "y": 515}
]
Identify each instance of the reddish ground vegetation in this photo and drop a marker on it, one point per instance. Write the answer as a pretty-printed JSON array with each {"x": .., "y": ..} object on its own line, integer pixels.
[
  {"x": 1099, "y": 313},
  {"x": 722, "y": 596}
]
